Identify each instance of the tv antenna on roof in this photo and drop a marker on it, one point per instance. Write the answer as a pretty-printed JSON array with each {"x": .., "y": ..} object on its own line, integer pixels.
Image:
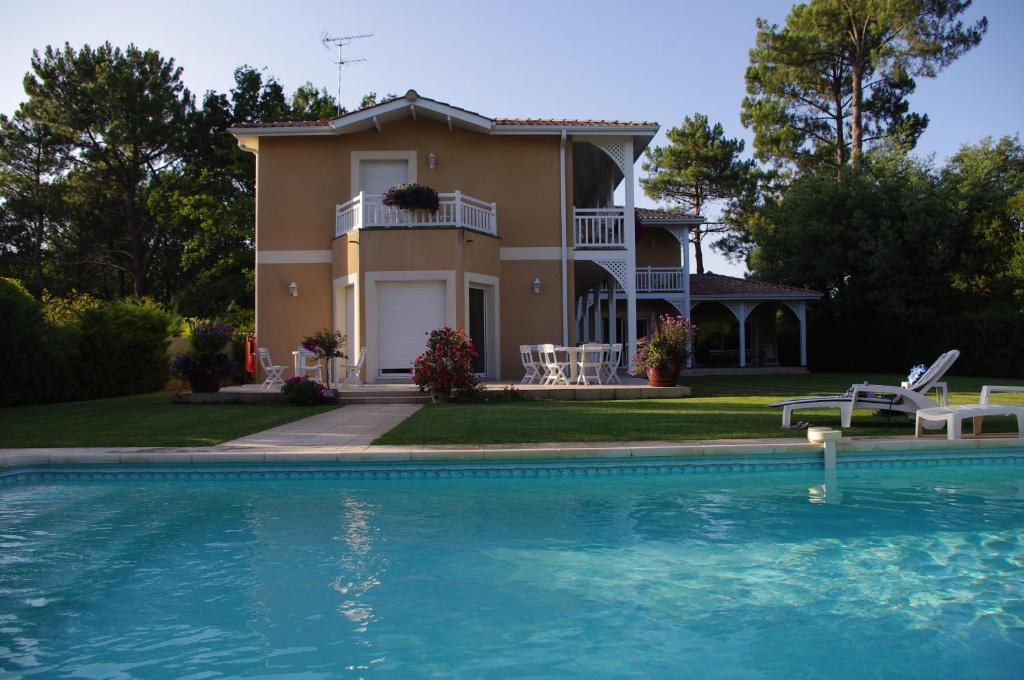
[{"x": 339, "y": 42}]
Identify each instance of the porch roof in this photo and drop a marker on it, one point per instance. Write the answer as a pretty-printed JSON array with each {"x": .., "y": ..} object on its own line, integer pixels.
[
  {"x": 666, "y": 217},
  {"x": 710, "y": 286}
]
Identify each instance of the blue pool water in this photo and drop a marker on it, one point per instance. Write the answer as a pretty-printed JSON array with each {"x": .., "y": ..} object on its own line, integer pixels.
[{"x": 903, "y": 573}]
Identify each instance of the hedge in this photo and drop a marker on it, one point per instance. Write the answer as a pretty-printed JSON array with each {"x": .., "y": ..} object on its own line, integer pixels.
[{"x": 61, "y": 350}]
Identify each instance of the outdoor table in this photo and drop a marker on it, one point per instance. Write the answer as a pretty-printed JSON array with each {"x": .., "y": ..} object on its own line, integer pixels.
[{"x": 575, "y": 355}]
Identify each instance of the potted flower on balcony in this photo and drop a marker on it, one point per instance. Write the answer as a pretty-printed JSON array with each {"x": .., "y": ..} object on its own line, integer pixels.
[
  {"x": 664, "y": 353},
  {"x": 412, "y": 197},
  {"x": 207, "y": 364}
]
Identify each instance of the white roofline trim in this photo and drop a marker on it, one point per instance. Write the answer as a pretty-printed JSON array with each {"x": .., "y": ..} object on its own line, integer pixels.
[
  {"x": 297, "y": 131},
  {"x": 617, "y": 131}
]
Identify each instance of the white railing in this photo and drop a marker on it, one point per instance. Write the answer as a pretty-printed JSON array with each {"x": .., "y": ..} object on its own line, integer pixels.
[
  {"x": 599, "y": 227},
  {"x": 660, "y": 279},
  {"x": 454, "y": 210}
]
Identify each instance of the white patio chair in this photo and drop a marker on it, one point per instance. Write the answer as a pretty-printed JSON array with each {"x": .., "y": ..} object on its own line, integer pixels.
[
  {"x": 906, "y": 400},
  {"x": 554, "y": 369},
  {"x": 533, "y": 370},
  {"x": 272, "y": 370},
  {"x": 306, "y": 363},
  {"x": 611, "y": 367},
  {"x": 352, "y": 370},
  {"x": 592, "y": 363}
]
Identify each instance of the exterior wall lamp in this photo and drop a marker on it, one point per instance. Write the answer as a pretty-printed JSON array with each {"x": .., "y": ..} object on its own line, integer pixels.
[
  {"x": 431, "y": 160},
  {"x": 536, "y": 285},
  {"x": 293, "y": 288}
]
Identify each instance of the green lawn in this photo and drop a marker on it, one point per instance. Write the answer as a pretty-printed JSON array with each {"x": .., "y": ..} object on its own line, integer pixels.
[
  {"x": 141, "y": 420},
  {"x": 722, "y": 407}
]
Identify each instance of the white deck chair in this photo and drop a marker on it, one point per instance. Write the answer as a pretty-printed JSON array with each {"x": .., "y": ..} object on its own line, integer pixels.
[
  {"x": 554, "y": 369},
  {"x": 272, "y": 370},
  {"x": 902, "y": 399},
  {"x": 593, "y": 359},
  {"x": 533, "y": 370},
  {"x": 611, "y": 367},
  {"x": 352, "y": 370},
  {"x": 306, "y": 363}
]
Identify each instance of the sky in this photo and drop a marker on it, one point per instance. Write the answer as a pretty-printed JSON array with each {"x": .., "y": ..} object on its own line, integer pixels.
[{"x": 625, "y": 60}]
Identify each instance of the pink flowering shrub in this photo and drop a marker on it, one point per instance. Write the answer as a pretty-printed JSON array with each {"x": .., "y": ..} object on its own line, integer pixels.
[
  {"x": 446, "y": 368},
  {"x": 670, "y": 343}
]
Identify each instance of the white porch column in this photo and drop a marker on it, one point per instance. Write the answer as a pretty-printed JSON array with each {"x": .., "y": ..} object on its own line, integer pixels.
[
  {"x": 800, "y": 309},
  {"x": 630, "y": 227},
  {"x": 740, "y": 310},
  {"x": 586, "y": 318},
  {"x": 598, "y": 330},
  {"x": 613, "y": 320},
  {"x": 684, "y": 253}
]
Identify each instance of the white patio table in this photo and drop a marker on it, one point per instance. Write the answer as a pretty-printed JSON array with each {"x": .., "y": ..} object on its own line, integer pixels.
[{"x": 574, "y": 355}]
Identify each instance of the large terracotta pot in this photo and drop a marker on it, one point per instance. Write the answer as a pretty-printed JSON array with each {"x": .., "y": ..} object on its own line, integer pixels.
[
  {"x": 206, "y": 382},
  {"x": 665, "y": 375}
]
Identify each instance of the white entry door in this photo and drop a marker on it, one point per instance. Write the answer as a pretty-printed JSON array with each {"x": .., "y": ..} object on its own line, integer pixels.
[
  {"x": 377, "y": 176},
  {"x": 406, "y": 313}
]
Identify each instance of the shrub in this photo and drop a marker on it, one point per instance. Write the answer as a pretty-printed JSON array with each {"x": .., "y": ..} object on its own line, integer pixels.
[
  {"x": 669, "y": 344},
  {"x": 124, "y": 348},
  {"x": 412, "y": 197},
  {"x": 446, "y": 368},
  {"x": 207, "y": 364},
  {"x": 78, "y": 348},
  {"x": 303, "y": 391}
]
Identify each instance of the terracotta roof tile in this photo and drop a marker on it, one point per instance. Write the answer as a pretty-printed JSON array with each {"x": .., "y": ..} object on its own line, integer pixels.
[
  {"x": 717, "y": 284},
  {"x": 572, "y": 122},
  {"x": 654, "y": 215}
]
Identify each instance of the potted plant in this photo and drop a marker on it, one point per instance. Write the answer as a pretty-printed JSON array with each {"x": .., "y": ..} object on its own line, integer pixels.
[
  {"x": 412, "y": 197},
  {"x": 446, "y": 368},
  {"x": 207, "y": 364},
  {"x": 662, "y": 357},
  {"x": 326, "y": 345}
]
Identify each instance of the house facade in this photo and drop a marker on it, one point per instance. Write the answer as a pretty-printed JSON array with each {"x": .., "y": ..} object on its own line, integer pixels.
[{"x": 527, "y": 246}]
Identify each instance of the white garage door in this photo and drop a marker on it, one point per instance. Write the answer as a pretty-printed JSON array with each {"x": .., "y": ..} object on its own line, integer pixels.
[
  {"x": 406, "y": 312},
  {"x": 376, "y": 177}
]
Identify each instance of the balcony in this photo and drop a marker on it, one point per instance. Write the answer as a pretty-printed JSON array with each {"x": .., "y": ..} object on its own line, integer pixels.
[
  {"x": 599, "y": 228},
  {"x": 658, "y": 280},
  {"x": 454, "y": 210}
]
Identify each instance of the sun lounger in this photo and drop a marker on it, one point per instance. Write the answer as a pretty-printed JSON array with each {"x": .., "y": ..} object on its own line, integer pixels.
[
  {"x": 953, "y": 417},
  {"x": 888, "y": 398}
]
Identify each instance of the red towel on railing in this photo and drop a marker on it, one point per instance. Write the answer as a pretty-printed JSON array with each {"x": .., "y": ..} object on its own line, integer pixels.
[{"x": 250, "y": 355}]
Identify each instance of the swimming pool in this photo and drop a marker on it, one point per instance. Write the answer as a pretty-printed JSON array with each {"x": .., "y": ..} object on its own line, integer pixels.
[{"x": 513, "y": 570}]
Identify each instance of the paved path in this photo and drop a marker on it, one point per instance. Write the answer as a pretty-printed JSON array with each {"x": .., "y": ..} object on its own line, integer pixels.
[{"x": 353, "y": 425}]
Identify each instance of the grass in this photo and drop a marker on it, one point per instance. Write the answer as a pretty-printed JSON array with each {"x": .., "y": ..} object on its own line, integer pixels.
[
  {"x": 140, "y": 420},
  {"x": 721, "y": 407}
]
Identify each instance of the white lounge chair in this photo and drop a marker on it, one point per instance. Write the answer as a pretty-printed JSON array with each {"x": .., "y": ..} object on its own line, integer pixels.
[
  {"x": 907, "y": 399},
  {"x": 352, "y": 370},
  {"x": 953, "y": 417},
  {"x": 272, "y": 370}
]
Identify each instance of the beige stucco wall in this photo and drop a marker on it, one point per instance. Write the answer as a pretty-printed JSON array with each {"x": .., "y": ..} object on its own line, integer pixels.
[
  {"x": 300, "y": 180},
  {"x": 657, "y": 248}
]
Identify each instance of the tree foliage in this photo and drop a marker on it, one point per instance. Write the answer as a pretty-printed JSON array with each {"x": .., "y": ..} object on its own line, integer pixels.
[
  {"x": 115, "y": 180},
  {"x": 835, "y": 79},
  {"x": 912, "y": 259},
  {"x": 699, "y": 167}
]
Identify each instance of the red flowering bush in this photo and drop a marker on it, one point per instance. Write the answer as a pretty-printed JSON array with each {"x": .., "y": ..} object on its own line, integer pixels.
[{"x": 446, "y": 368}]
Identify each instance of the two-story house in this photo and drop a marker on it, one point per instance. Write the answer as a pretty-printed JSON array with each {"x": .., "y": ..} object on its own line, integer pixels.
[{"x": 527, "y": 246}]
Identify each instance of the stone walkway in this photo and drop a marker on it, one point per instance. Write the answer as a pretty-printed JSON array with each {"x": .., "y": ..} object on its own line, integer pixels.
[{"x": 353, "y": 425}]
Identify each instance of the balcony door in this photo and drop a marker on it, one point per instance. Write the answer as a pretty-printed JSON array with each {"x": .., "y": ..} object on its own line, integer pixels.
[{"x": 377, "y": 176}]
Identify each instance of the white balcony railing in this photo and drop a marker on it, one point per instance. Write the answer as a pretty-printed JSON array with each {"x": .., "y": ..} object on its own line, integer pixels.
[
  {"x": 658, "y": 280},
  {"x": 599, "y": 227},
  {"x": 454, "y": 210}
]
